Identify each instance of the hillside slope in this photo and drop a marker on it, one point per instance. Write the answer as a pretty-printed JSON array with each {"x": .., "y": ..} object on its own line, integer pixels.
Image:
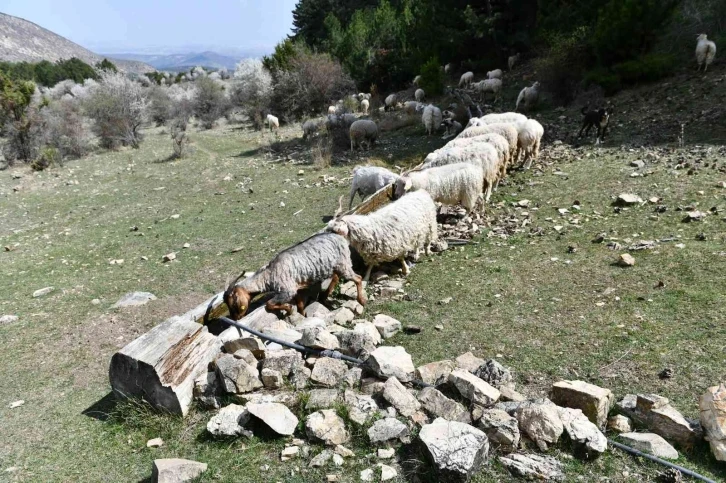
[
  {"x": 182, "y": 62},
  {"x": 24, "y": 41}
]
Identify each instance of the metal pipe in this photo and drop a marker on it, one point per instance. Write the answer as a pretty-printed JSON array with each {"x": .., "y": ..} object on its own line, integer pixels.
[{"x": 683, "y": 470}]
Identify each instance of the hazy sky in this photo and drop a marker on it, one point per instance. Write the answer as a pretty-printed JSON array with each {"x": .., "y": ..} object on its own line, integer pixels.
[{"x": 136, "y": 25}]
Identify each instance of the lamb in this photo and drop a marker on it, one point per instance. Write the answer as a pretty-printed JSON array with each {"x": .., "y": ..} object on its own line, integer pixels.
[
  {"x": 466, "y": 79},
  {"x": 500, "y": 144},
  {"x": 705, "y": 52},
  {"x": 364, "y": 105},
  {"x": 272, "y": 122},
  {"x": 513, "y": 59},
  {"x": 419, "y": 95},
  {"x": 363, "y": 130},
  {"x": 494, "y": 74},
  {"x": 483, "y": 155},
  {"x": 530, "y": 134},
  {"x": 412, "y": 107},
  {"x": 450, "y": 184},
  {"x": 416, "y": 80},
  {"x": 368, "y": 180},
  {"x": 312, "y": 127},
  {"x": 507, "y": 130},
  {"x": 322, "y": 256},
  {"x": 490, "y": 85},
  {"x": 528, "y": 97},
  {"x": 431, "y": 118},
  {"x": 390, "y": 102},
  {"x": 390, "y": 233}
]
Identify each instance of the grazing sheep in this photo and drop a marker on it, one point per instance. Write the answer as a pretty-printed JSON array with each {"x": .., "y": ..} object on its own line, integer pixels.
[
  {"x": 332, "y": 110},
  {"x": 500, "y": 144},
  {"x": 490, "y": 85},
  {"x": 363, "y": 96},
  {"x": 466, "y": 79},
  {"x": 363, "y": 130},
  {"x": 390, "y": 102},
  {"x": 451, "y": 126},
  {"x": 450, "y": 184},
  {"x": 705, "y": 51},
  {"x": 312, "y": 127},
  {"x": 483, "y": 155},
  {"x": 272, "y": 122},
  {"x": 416, "y": 80},
  {"x": 412, "y": 107},
  {"x": 512, "y": 61},
  {"x": 368, "y": 180},
  {"x": 322, "y": 256},
  {"x": 529, "y": 137},
  {"x": 390, "y": 233},
  {"x": 507, "y": 130},
  {"x": 494, "y": 74},
  {"x": 364, "y": 105},
  {"x": 528, "y": 97},
  {"x": 419, "y": 95},
  {"x": 431, "y": 118}
]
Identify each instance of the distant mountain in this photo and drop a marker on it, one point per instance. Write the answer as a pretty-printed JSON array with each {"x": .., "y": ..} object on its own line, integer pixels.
[
  {"x": 182, "y": 62},
  {"x": 23, "y": 41}
]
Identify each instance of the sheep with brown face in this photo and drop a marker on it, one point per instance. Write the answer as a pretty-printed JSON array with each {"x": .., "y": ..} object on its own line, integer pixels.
[{"x": 320, "y": 257}]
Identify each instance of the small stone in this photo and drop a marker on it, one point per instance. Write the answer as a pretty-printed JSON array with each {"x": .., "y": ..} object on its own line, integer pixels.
[
  {"x": 175, "y": 216},
  {"x": 300, "y": 376},
  {"x": 42, "y": 292},
  {"x": 399, "y": 397},
  {"x": 435, "y": 373},
  {"x": 441, "y": 406},
  {"x": 387, "y": 361},
  {"x": 321, "y": 459},
  {"x": 206, "y": 390},
  {"x": 168, "y": 257},
  {"x": 276, "y": 416},
  {"x": 338, "y": 460},
  {"x": 332, "y": 478},
  {"x": 587, "y": 440},
  {"x": 354, "y": 307},
  {"x": 176, "y": 470},
  {"x": 341, "y": 316},
  {"x": 355, "y": 344},
  {"x": 369, "y": 329},
  {"x": 326, "y": 426},
  {"x": 509, "y": 394},
  {"x": 439, "y": 327},
  {"x": 283, "y": 361},
  {"x": 650, "y": 443},
  {"x": 236, "y": 376},
  {"x": 456, "y": 450},
  {"x": 96, "y": 302},
  {"x": 16, "y": 404},
  {"x": 353, "y": 376},
  {"x": 134, "y": 299},
  {"x": 694, "y": 216},
  {"x": 386, "y": 453},
  {"x": 494, "y": 373},
  {"x": 186, "y": 245},
  {"x": 230, "y": 421},
  {"x": 328, "y": 372},
  {"x": 523, "y": 203},
  {"x": 446, "y": 301},
  {"x": 626, "y": 260},
  {"x": 655, "y": 413},
  {"x": 387, "y": 326},
  {"x": 361, "y": 407},
  {"x": 248, "y": 357},
  {"x": 372, "y": 386},
  {"x": 387, "y": 429},
  {"x": 319, "y": 338},
  {"x": 637, "y": 163},
  {"x": 155, "y": 443},
  {"x": 271, "y": 378},
  {"x": 8, "y": 319},
  {"x": 533, "y": 467},
  {"x": 501, "y": 429},
  {"x": 322, "y": 399},
  {"x": 387, "y": 473},
  {"x": 343, "y": 451},
  {"x": 469, "y": 362},
  {"x": 473, "y": 388},
  {"x": 628, "y": 199},
  {"x": 317, "y": 310},
  {"x": 541, "y": 423},
  {"x": 595, "y": 402},
  {"x": 366, "y": 475},
  {"x": 289, "y": 453},
  {"x": 620, "y": 424}
]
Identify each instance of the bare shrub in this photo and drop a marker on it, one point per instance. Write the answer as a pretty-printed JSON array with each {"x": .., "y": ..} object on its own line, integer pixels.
[
  {"x": 252, "y": 90},
  {"x": 160, "y": 105},
  {"x": 48, "y": 157},
  {"x": 321, "y": 152},
  {"x": 119, "y": 108},
  {"x": 63, "y": 128},
  {"x": 179, "y": 137},
  {"x": 24, "y": 137},
  {"x": 210, "y": 102}
]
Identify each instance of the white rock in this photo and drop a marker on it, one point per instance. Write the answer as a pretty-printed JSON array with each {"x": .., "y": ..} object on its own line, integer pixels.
[
  {"x": 319, "y": 338},
  {"x": 369, "y": 329},
  {"x": 650, "y": 443},
  {"x": 387, "y": 429},
  {"x": 338, "y": 460},
  {"x": 440, "y": 406},
  {"x": 399, "y": 397},
  {"x": 586, "y": 438},
  {"x": 620, "y": 424},
  {"x": 230, "y": 421},
  {"x": 474, "y": 389},
  {"x": 595, "y": 402},
  {"x": 326, "y": 426},
  {"x": 343, "y": 451},
  {"x": 387, "y": 326},
  {"x": 328, "y": 371},
  {"x": 469, "y": 362},
  {"x": 271, "y": 378},
  {"x": 533, "y": 467},
  {"x": 7, "y": 319},
  {"x": 541, "y": 422},
  {"x": 321, "y": 459},
  {"x": 366, "y": 475},
  {"x": 176, "y": 470},
  {"x": 713, "y": 419},
  {"x": 155, "y": 443},
  {"x": 501, "y": 429},
  {"x": 361, "y": 407},
  {"x": 42, "y": 291},
  {"x": 386, "y": 453},
  {"x": 236, "y": 376},
  {"x": 289, "y": 453},
  {"x": 435, "y": 373},
  {"x": 457, "y": 450},
  {"x": 629, "y": 199},
  {"x": 322, "y": 399},
  {"x": 16, "y": 404},
  {"x": 387, "y": 473},
  {"x": 390, "y": 361},
  {"x": 275, "y": 415}
]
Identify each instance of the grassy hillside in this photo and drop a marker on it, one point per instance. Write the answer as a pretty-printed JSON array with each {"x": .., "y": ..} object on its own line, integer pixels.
[{"x": 546, "y": 301}]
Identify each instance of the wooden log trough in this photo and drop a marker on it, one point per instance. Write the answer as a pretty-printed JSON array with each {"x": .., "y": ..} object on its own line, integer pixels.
[{"x": 161, "y": 365}]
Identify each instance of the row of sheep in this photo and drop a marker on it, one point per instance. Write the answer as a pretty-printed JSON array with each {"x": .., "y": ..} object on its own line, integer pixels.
[{"x": 464, "y": 171}]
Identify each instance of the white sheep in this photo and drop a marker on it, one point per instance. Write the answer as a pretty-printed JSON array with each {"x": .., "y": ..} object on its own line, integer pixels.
[
  {"x": 332, "y": 110},
  {"x": 416, "y": 80},
  {"x": 466, "y": 79},
  {"x": 369, "y": 179},
  {"x": 498, "y": 117},
  {"x": 419, "y": 95},
  {"x": 390, "y": 102},
  {"x": 447, "y": 68},
  {"x": 705, "y": 51},
  {"x": 272, "y": 122},
  {"x": 528, "y": 97},
  {"x": 363, "y": 130},
  {"x": 490, "y": 85},
  {"x": 364, "y": 105},
  {"x": 431, "y": 118},
  {"x": 512, "y": 61},
  {"x": 507, "y": 130},
  {"x": 483, "y": 155},
  {"x": 390, "y": 233},
  {"x": 412, "y": 107},
  {"x": 500, "y": 144},
  {"x": 450, "y": 184},
  {"x": 494, "y": 74},
  {"x": 529, "y": 137}
]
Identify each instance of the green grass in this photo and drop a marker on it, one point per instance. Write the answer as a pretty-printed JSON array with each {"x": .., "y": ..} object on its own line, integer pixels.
[{"x": 509, "y": 297}]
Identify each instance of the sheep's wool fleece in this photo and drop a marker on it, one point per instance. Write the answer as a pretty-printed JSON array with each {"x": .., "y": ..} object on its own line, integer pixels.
[
  {"x": 431, "y": 118},
  {"x": 405, "y": 225},
  {"x": 499, "y": 142},
  {"x": 508, "y": 130},
  {"x": 369, "y": 179},
  {"x": 450, "y": 184}
]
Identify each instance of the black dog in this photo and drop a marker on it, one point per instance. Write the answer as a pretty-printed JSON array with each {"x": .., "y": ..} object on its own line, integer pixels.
[{"x": 599, "y": 118}]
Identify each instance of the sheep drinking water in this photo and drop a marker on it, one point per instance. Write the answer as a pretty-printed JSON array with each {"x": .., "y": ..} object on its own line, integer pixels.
[{"x": 368, "y": 180}]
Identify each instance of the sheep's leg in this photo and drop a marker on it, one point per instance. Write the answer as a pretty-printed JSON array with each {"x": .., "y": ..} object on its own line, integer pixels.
[
  {"x": 333, "y": 283},
  {"x": 368, "y": 273},
  {"x": 273, "y": 306},
  {"x": 359, "y": 289},
  {"x": 404, "y": 266},
  {"x": 353, "y": 192},
  {"x": 488, "y": 191}
]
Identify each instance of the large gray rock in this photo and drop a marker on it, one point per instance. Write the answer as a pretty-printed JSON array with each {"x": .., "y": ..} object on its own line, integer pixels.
[
  {"x": 494, "y": 374},
  {"x": 435, "y": 373},
  {"x": 390, "y": 361},
  {"x": 356, "y": 344},
  {"x": 587, "y": 440},
  {"x": 440, "y": 406},
  {"x": 276, "y": 416},
  {"x": 319, "y": 338},
  {"x": 533, "y": 467},
  {"x": 595, "y": 402},
  {"x": 300, "y": 376},
  {"x": 176, "y": 470},
  {"x": 234, "y": 339},
  {"x": 289, "y": 399},
  {"x": 230, "y": 421},
  {"x": 271, "y": 379},
  {"x": 541, "y": 422},
  {"x": 399, "y": 397},
  {"x": 387, "y": 429},
  {"x": 469, "y": 362},
  {"x": 341, "y": 316},
  {"x": 387, "y": 326},
  {"x": 501, "y": 429},
  {"x": 236, "y": 376},
  {"x": 134, "y": 299},
  {"x": 353, "y": 376},
  {"x": 655, "y": 413},
  {"x": 282, "y": 361},
  {"x": 322, "y": 399},
  {"x": 247, "y": 356},
  {"x": 207, "y": 389},
  {"x": 473, "y": 388},
  {"x": 713, "y": 419},
  {"x": 360, "y": 407},
  {"x": 650, "y": 443},
  {"x": 316, "y": 309},
  {"x": 328, "y": 372},
  {"x": 326, "y": 426},
  {"x": 369, "y": 329},
  {"x": 456, "y": 450}
]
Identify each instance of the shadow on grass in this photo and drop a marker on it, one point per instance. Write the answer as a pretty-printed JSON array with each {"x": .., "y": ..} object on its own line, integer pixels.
[{"x": 103, "y": 408}]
